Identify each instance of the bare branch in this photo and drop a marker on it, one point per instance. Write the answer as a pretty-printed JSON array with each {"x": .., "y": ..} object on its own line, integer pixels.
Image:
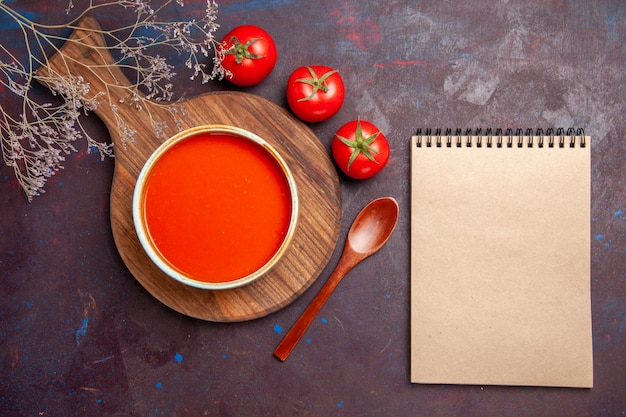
[{"x": 35, "y": 141}]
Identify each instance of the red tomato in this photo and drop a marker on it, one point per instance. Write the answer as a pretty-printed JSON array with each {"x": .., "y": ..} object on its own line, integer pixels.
[
  {"x": 315, "y": 93},
  {"x": 360, "y": 149},
  {"x": 249, "y": 54}
]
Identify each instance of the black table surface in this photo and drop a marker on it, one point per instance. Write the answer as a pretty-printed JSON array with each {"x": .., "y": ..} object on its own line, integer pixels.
[{"x": 80, "y": 337}]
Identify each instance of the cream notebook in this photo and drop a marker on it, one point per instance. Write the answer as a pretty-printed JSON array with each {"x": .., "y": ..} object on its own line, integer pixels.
[{"x": 500, "y": 259}]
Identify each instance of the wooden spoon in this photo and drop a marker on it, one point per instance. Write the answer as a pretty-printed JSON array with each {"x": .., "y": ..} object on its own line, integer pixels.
[{"x": 369, "y": 232}]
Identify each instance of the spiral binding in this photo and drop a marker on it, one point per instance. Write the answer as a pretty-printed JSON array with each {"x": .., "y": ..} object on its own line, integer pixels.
[{"x": 507, "y": 138}]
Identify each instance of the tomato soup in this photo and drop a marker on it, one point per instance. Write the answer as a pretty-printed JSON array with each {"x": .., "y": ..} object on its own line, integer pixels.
[{"x": 217, "y": 206}]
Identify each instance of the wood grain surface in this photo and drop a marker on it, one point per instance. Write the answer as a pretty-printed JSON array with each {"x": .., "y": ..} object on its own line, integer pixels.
[{"x": 126, "y": 111}]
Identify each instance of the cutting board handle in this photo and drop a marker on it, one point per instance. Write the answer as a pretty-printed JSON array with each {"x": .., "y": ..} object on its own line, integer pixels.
[{"x": 85, "y": 57}]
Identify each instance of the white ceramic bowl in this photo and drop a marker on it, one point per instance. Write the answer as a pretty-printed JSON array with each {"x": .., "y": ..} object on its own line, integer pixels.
[{"x": 174, "y": 198}]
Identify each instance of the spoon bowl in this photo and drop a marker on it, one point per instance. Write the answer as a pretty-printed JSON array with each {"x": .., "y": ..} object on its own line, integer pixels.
[
  {"x": 373, "y": 226},
  {"x": 369, "y": 232}
]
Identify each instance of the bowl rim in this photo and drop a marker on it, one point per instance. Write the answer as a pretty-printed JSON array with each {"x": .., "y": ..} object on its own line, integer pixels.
[{"x": 141, "y": 227}]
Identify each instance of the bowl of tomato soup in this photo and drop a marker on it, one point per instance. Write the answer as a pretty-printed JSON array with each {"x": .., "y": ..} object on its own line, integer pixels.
[{"x": 215, "y": 207}]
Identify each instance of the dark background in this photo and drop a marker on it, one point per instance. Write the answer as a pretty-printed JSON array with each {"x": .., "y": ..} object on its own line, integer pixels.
[{"x": 79, "y": 336}]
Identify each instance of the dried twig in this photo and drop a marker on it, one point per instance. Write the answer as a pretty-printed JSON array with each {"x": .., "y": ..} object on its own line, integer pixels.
[{"x": 36, "y": 138}]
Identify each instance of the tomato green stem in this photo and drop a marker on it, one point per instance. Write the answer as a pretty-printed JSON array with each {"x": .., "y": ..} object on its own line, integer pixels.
[
  {"x": 317, "y": 83},
  {"x": 241, "y": 50},
  {"x": 360, "y": 145}
]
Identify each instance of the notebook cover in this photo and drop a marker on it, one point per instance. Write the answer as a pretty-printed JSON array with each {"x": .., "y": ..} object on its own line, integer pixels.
[{"x": 500, "y": 265}]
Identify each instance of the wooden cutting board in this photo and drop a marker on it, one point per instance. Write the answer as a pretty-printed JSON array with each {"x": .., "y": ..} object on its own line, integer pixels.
[{"x": 85, "y": 55}]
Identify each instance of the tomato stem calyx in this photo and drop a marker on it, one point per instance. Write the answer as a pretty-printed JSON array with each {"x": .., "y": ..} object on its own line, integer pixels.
[
  {"x": 360, "y": 145},
  {"x": 317, "y": 83},
  {"x": 241, "y": 50}
]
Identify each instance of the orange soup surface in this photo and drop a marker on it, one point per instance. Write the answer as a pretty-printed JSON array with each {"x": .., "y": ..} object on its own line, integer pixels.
[{"x": 217, "y": 206}]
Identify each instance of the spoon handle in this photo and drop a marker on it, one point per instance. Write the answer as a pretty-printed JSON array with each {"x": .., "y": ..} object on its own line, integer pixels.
[{"x": 295, "y": 333}]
